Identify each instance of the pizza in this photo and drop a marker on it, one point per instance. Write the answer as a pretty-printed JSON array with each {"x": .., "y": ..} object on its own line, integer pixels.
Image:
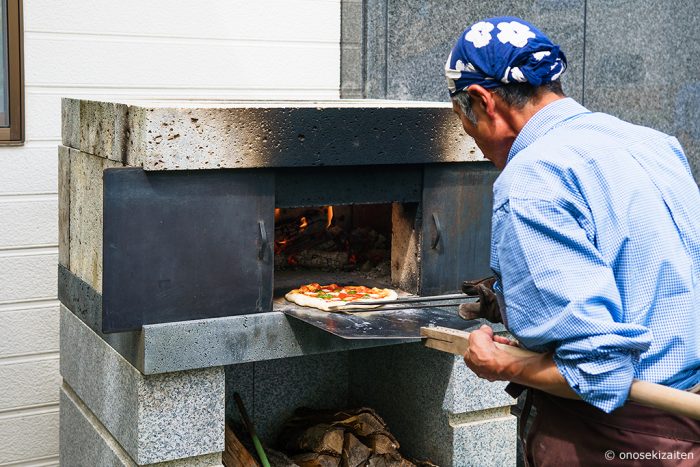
[{"x": 327, "y": 297}]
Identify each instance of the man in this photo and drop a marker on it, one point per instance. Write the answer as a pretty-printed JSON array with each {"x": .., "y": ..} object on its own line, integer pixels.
[{"x": 595, "y": 247}]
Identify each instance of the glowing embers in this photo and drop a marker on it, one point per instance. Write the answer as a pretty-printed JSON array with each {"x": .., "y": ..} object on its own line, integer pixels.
[{"x": 334, "y": 238}]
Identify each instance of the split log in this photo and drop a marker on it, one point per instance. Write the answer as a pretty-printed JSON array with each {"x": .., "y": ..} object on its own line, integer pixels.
[
  {"x": 235, "y": 453},
  {"x": 321, "y": 438},
  {"x": 312, "y": 459},
  {"x": 387, "y": 460},
  {"x": 354, "y": 452},
  {"x": 382, "y": 443},
  {"x": 364, "y": 423}
]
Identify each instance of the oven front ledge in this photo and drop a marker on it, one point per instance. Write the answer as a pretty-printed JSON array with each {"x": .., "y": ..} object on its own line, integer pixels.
[{"x": 187, "y": 345}]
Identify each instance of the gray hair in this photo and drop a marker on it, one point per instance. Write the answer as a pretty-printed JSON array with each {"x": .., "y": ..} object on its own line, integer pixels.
[{"x": 513, "y": 94}]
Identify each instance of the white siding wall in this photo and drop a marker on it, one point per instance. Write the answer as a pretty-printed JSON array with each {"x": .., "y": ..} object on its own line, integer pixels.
[{"x": 274, "y": 49}]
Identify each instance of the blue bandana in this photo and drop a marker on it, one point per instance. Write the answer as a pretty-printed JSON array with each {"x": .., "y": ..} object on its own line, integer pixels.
[{"x": 502, "y": 50}]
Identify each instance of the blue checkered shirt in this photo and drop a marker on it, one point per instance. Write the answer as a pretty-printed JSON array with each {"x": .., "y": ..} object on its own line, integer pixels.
[{"x": 596, "y": 244}]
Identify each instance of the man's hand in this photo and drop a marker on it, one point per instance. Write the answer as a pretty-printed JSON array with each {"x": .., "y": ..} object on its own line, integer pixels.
[
  {"x": 487, "y": 306},
  {"x": 488, "y": 361},
  {"x": 485, "y": 359}
]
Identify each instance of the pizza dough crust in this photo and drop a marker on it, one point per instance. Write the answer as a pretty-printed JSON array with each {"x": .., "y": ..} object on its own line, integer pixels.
[{"x": 324, "y": 305}]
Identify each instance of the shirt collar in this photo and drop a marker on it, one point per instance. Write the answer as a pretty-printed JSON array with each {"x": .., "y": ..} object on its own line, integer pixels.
[{"x": 544, "y": 120}]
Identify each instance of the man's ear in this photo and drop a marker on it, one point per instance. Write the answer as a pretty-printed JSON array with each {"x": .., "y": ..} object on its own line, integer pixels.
[{"x": 483, "y": 99}]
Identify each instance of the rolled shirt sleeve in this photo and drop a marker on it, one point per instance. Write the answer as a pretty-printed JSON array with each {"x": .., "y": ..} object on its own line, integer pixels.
[{"x": 561, "y": 296}]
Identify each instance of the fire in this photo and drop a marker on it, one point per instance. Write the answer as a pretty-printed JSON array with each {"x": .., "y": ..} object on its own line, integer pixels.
[
  {"x": 277, "y": 214},
  {"x": 304, "y": 224},
  {"x": 330, "y": 216}
]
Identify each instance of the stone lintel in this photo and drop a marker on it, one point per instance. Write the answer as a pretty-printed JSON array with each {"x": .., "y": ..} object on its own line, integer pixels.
[{"x": 192, "y": 135}]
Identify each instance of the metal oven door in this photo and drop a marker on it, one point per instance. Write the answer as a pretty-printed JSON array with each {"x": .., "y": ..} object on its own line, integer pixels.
[
  {"x": 185, "y": 245},
  {"x": 457, "y": 204}
]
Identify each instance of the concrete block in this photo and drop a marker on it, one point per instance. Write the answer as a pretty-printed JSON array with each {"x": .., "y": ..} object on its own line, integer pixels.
[
  {"x": 85, "y": 441},
  {"x": 154, "y": 418},
  {"x": 85, "y": 249},
  {"x": 64, "y": 206}
]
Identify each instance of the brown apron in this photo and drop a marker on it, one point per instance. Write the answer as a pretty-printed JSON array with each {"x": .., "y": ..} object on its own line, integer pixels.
[{"x": 572, "y": 432}]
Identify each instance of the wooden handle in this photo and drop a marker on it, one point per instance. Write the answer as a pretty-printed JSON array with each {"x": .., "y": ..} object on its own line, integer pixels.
[{"x": 642, "y": 392}]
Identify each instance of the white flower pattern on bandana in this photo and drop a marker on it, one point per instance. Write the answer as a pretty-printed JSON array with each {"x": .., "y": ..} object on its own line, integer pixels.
[
  {"x": 515, "y": 33},
  {"x": 517, "y": 75},
  {"x": 479, "y": 34}
]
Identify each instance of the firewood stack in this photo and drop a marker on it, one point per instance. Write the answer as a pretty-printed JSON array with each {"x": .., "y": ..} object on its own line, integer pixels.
[{"x": 341, "y": 439}]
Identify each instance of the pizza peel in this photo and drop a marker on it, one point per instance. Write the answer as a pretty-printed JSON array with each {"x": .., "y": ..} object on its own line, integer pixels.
[{"x": 401, "y": 319}]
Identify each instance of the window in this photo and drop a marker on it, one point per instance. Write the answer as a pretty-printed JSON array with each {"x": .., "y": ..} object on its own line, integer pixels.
[{"x": 11, "y": 76}]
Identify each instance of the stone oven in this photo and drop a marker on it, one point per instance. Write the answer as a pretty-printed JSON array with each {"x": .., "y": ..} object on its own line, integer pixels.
[{"x": 182, "y": 225}]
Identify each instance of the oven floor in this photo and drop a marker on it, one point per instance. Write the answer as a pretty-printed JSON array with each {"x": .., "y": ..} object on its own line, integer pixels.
[
  {"x": 292, "y": 279},
  {"x": 377, "y": 324}
]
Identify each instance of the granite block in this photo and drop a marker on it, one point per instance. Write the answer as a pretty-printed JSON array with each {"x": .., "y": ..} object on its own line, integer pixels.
[
  {"x": 351, "y": 72},
  {"x": 85, "y": 441},
  {"x": 205, "y": 343},
  {"x": 64, "y": 206},
  {"x": 417, "y": 390},
  {"x": 272, "y": 390},
  {"x": 154, "y": 418},
  {"x": 316, "y": 381},
  {"x": 85, "y": 250},
  {"x": 375, "y": 49},
  {"x": 351, "y": 61},
  {"x": 483, "y": 443},
  {"x": 86, "y": 303},
  {"x": 414, "y": 69},
  {"x": 629, "y": 48},
  {"x": 238, "y": 339},
  {"x": 466, "y": 392}
]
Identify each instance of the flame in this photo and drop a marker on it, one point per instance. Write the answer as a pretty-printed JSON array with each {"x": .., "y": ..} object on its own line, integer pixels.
[
  {"x": 304, "y": 224},
  {"x": 277, "y": 213},
  {"x": 330, "y": 216},
  {"x": 280, "y": 245}
]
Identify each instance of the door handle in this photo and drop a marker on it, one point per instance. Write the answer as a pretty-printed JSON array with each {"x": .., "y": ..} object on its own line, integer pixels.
[
  {"x": 263, "y": 240},
  {"x": 438, "y": 231}
]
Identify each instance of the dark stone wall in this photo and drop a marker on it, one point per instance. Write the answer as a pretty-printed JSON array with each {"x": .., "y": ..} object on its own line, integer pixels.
[{"x": 635, "y": 59}]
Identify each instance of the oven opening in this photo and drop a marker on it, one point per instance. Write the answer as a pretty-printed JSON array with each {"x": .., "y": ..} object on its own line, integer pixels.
[{"x": 358, "y": 244}]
